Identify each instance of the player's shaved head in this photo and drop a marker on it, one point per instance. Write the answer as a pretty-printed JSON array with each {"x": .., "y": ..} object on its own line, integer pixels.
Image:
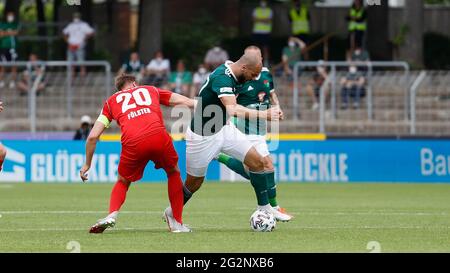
[
  {"x": 251, "y": 58},
  {"x": 250, "y": 64}
]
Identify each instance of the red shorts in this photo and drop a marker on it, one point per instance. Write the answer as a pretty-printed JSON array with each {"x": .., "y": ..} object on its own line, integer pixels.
[{"x": 157, "y": 148}]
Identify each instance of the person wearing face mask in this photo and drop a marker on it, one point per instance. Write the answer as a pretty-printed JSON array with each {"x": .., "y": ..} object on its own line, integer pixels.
[
  {"x": 352, "y": 87},
  {"x": 262, "y": 27},
  {"x": 76, "y": 35},
  {"x": 199, "y": 78},
  {"x": 158, "y": 70},
  {"x": 292, "y": 54},
  {"x": 8, "y": 44}
]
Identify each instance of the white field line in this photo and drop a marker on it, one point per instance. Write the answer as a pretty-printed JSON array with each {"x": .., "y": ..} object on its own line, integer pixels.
[
  {"x": 206, "y": 227},
  {"x": 12, "y": 212}
]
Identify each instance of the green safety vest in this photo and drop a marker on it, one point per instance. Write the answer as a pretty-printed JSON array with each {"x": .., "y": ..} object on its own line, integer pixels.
[
  {"x": 300, "y": 23},
  {"x": 262, "y": 13},
  {"x": 353, "y": 25}
]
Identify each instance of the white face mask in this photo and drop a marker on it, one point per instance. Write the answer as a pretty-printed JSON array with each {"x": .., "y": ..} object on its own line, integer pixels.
[
  {"x": 357, "y": 52},
  {"x": 76, "y": 20},
  {"x": 10, "y": 18},
  {"x": 353, "y": 69},
  {"x": 291, "y": 44},
  {"x": 202, "y": 70}
]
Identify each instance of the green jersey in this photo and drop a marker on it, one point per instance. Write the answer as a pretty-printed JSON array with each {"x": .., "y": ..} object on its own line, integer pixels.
[
  {"x": 255, "y": 95},
  {"x": 210, "y": 115},
  {"x": 8, "y": 42}
]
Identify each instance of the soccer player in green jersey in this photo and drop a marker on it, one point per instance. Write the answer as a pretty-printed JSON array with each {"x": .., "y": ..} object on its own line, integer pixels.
[
  {"x": 211, "y": 131},
  {"x": 258, "y": 94}
]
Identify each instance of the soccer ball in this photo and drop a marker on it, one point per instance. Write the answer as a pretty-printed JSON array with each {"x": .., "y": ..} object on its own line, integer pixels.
[{"x": 262, "y": 221}]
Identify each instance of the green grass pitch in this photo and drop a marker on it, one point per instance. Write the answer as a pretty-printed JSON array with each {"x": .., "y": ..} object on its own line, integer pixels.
[{"x": 328, "y": 218}]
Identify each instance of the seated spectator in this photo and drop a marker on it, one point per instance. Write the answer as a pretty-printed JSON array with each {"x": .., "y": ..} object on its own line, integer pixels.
[
  {"x": 134, "y": 67},
  {"x": 215, "y": 57},
  {"x": 158, "y": 70},
  {"x": 360, "y": 57},
  {"x": 180, "y": 80},
  {"x": 292, "y": 54},
  {"x": 315, "y": 84},
  {"x": 33, "y": 70},
  {"x": 85, "y": 128},
  {"x": 353, "y": 85},
  {"x": 199, "y": 79}
]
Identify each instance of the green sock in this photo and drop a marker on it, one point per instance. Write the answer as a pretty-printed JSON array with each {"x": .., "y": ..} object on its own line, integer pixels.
[
  {"x": 272, "y": 188},
  {"x": 259, "y": 183},
  {"x": 234, "y": 164}
]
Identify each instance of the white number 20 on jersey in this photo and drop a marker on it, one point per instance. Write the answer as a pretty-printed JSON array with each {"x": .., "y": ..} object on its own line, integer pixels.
[{"x": 141, "y": 97}]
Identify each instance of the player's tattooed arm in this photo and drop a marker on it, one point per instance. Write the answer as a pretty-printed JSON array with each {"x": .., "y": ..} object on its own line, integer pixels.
[
  {"x": 91, "y": 144},
  {"x": 240, "y": 111},
  {"x": 177, "y": 99}
]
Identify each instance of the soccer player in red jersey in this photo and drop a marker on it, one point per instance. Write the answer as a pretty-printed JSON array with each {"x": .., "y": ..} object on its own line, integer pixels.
[
  {"x": 136, "y": 110},
  {"x": 2, "y": 148}
]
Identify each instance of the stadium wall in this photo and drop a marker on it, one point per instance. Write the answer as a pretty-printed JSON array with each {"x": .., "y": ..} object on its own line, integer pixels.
[{"x": 333, "y": 160}]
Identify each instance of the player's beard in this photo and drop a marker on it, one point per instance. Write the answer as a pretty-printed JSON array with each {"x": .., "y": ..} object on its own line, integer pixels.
[{"x": 241, "y": 78}]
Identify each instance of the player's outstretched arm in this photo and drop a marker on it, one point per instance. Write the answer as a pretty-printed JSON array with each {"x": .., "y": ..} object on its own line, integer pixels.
[
  {"x": 177, "y": 99},
  {"x": 1, "y": 106},
  {"x": 91, "y": 143},
  {"x": 240, "y": 111}
]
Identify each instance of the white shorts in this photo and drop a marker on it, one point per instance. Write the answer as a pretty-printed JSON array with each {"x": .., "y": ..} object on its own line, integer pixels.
[
  {"x": 260, "y": 144},
  {"x": 201, "y": 150}
]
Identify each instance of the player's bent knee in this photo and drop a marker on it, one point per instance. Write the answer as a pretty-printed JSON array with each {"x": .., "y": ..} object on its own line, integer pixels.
[{"x": 124, "y": 180}]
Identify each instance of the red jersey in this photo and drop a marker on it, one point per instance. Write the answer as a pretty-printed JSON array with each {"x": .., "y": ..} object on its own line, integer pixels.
[{"x": 137, "y": 111}]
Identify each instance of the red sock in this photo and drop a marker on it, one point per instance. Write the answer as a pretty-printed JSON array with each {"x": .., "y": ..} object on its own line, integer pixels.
[
  {"x": 118, "y": 195},
  {"x": 175, "y": 188}
]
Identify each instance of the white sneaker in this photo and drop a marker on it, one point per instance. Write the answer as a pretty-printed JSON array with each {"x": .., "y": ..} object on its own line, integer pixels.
[
  {"x": 167, "y": 211},
  {"x": 12, "y": 85},
  {"x": 103, "y": 224},
  {"x": 174, "y": 225},
  {"x": 315, "y": 106},
  {"x": 280, "y": 216}
]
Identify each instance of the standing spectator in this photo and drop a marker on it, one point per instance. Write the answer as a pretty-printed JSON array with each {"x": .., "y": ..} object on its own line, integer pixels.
[
  {"x": 352, "y": 86},
  {"x": 8, "y": 44},
  {"x": 199, "y": 79},
  {"x": 315, "y": 84},
  {"x": 134, "y": 67},
  {"x": 85, "y": 128},
  {"x": 300, "y": 17},
  {"x": 215, "y": 57},
  {"x": 76, "y": 34},
  {"x": 180, "y": 81},
  {"x": 33, "y": 71},
  {"x": 357, "y": 24},
  {"x": 158, "y": 70},
  {"x": 292, "y": 54},
  {"x": 262, "y": 28}
]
